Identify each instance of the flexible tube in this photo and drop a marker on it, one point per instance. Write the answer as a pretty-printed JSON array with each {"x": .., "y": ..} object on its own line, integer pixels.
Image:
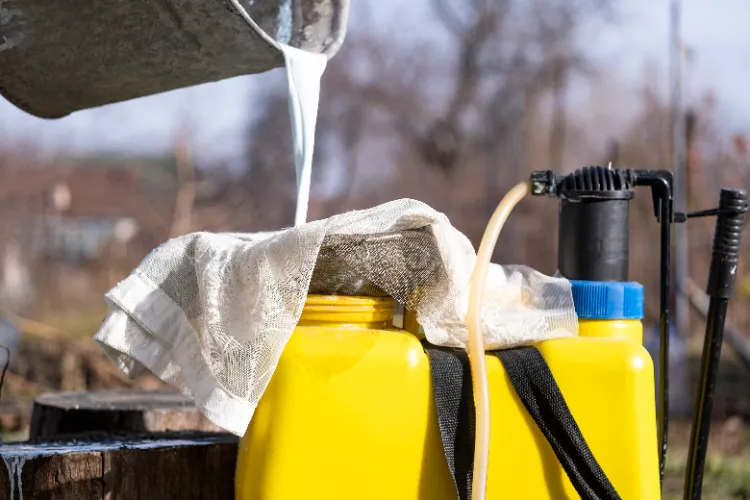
[{"x": 475, "y": 345}]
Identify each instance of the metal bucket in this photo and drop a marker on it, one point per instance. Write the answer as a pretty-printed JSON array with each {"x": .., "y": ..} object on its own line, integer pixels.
[{"x": 64, "y": 56}]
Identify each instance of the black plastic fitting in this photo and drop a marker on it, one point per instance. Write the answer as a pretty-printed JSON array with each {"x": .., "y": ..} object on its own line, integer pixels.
[{"x": 721, "y": 279}]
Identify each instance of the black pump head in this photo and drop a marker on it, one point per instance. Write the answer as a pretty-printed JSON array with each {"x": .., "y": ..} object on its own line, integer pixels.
[
  {"x": 594, "y": 221},
  {"x": 594, "y": 225}
]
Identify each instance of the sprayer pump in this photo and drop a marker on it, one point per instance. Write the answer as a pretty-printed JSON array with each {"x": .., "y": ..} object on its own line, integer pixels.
[{"x": 593, "y": 245}]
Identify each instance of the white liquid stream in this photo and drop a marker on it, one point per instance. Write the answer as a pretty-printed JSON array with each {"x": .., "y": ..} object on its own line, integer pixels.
[{"x": 304, "y": 71}]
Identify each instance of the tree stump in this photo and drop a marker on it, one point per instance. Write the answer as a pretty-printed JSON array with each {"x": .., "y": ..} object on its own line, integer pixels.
[
  {"x": 115, "y": 411},
  {"x": 169, "y": 466}
]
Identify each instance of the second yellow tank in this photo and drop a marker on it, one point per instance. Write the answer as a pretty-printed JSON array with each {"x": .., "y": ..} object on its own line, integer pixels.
[{"x": 350, "y": 414}]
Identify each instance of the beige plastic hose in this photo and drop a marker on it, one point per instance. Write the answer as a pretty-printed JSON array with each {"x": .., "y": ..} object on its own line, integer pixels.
[{"x": 476, "y": 342}]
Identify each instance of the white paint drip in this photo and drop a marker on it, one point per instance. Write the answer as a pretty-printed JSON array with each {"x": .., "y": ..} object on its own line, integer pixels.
[
  {"x": 6, "y": 16},
  {"x": 14, "y": 464},
  {"x": 304, "y": 71},
  {"x": 11, "y": 451},
  {"x": 6, "y": 43},
  {"x": 284, "y": 22}
]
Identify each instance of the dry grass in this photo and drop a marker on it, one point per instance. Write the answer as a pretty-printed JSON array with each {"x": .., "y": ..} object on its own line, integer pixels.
[{"x": 727, "y": 474}]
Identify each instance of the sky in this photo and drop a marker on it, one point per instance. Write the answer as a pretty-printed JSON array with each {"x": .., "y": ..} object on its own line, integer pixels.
[{"x": 716, "y": 30}]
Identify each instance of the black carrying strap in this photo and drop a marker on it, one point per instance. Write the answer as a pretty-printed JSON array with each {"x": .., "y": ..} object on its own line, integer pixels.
[
  {"x": 539, "y": 393},
  {"x": 536, "y": 388},
  {"x": 454, "y": 398}
]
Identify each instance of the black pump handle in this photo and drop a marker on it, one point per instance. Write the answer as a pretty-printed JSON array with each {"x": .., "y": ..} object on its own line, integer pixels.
[
  {"x": 721, "y": 280},
  {"x": 608, "y": 184}
]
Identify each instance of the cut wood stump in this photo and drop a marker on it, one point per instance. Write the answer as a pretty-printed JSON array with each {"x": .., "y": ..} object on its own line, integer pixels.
[
  {"x": 168, "y": 466},
  {"x": 115, "y": 411}
]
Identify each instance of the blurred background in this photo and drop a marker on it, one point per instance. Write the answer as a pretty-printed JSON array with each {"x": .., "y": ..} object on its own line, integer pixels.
[{"x": 450, "y": 103}]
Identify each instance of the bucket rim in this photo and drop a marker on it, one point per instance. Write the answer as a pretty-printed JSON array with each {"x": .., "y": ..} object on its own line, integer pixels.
[{"x": 339, "y": 25}]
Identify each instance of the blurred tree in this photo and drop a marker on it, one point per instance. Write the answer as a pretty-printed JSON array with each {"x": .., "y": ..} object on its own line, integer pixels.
[{"x": 410, "y": 119}]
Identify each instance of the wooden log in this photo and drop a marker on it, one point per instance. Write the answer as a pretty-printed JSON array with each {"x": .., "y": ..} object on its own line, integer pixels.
[
  {"x": 168, "y": 466},
  {"x": 118, "y": 411}
]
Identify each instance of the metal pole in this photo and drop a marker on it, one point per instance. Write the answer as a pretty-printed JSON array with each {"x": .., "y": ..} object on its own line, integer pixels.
[{"x": 682, "y": 268}]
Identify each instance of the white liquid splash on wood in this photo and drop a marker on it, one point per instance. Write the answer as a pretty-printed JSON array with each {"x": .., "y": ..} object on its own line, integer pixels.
[
  {"x": 15, "y": 475},
  {"x": 15, "y": 455}
]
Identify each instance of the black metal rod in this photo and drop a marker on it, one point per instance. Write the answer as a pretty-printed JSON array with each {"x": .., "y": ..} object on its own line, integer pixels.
[
  {"x": 721, "y": 279},
  {"x": 699, "y": 433},
  {"x": 665, "y": 274}
]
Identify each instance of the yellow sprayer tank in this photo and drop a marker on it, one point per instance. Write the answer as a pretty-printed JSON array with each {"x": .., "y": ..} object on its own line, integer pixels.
[{"x": 350, "y": 414}]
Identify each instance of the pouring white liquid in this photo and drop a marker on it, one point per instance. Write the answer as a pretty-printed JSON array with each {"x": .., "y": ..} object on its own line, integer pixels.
[{"x": 304, "y": 71}]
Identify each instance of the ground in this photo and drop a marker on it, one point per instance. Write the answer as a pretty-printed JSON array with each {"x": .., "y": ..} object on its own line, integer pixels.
[{"x": 728, "y": 465}]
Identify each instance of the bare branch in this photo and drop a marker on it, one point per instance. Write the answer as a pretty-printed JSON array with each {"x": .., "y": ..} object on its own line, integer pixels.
[{"x": 448, "y": 18}]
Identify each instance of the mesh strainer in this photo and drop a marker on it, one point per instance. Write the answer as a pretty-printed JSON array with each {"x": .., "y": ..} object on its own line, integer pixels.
[{"x": 211, "y": 313}]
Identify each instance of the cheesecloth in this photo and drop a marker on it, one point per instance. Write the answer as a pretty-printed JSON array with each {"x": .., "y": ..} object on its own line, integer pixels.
[{"x": 210, "y": 314}]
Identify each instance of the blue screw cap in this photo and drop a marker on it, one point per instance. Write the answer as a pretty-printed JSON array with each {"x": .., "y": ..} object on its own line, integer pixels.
[{"x": 607, "y": 300}]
